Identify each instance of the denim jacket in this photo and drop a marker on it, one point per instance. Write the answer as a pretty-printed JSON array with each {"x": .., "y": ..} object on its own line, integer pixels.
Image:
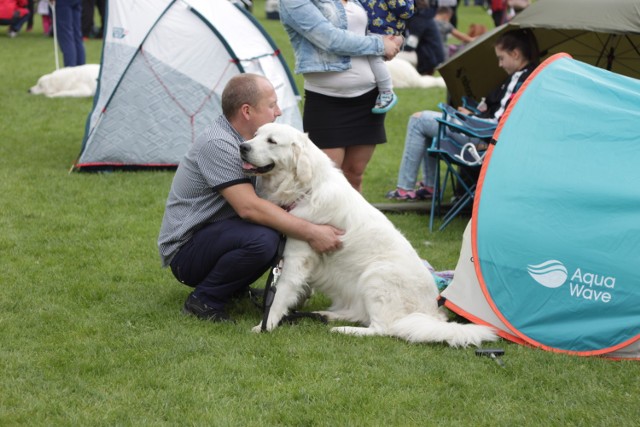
[{"x": 319, "y": 36}]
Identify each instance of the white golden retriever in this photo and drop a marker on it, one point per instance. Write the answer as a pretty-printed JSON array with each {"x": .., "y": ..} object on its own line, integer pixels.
[
  {"x": 405, "y": 75},
  {"x": 377, "y": 279},
  {"x": 80, "y": 81}
]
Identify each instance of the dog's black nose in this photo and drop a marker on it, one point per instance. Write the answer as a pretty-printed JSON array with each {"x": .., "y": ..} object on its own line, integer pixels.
[{"x": 245, "y": 148}]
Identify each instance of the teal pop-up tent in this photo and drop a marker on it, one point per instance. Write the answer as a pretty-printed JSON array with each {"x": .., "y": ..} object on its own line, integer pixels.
[{"x": 551, "y": 256}]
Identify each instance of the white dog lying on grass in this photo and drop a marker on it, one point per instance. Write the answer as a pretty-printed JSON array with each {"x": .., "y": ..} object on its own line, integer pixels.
[
  {"x": 376, "y": 279},
  {"x": 80, "y": 81},
  {"x": 405, "y": 75}
]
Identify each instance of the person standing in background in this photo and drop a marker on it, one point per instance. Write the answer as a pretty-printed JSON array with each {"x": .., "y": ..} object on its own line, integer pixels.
[
  {"x": 423, "y": 37},
  {"x": 69, "y": 31},
  {"x": 89, "y": 30},
  {"x": 499, "y": 12},
  {"x": 44, "y": 10},
  {"x": 331, "y": 50}
]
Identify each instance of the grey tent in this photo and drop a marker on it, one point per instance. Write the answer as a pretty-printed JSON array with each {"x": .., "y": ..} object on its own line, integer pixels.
[{"x": 164, "y": 66}]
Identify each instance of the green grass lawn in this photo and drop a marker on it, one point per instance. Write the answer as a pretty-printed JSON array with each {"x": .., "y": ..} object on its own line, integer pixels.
[{"x": 90, "y": 325}]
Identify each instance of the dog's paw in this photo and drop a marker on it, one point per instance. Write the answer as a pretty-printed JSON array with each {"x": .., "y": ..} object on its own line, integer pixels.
[
  {"x": 272, "y": 323},
  {"x": 258, "y": 328}
]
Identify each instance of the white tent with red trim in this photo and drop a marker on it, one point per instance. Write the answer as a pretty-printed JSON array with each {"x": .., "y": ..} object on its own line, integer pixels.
[{"x": 164, "y": 66}]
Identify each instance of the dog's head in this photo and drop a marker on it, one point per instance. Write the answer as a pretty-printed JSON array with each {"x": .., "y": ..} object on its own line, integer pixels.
[
  {"x": 39, "y": 88},
  {"x": 278, "y": 149}
]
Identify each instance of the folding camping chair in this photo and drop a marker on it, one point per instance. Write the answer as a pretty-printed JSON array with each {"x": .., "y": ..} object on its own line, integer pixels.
[
  {"x": 471, "y": 104},
  {"x": 462, "y": 159}
]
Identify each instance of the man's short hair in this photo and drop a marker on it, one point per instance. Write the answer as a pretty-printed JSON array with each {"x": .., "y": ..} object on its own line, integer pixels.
[{"x": 241, "y": 89}]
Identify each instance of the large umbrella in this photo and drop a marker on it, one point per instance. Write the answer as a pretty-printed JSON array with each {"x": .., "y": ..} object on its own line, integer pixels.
[{"x": 603, "y": 33}]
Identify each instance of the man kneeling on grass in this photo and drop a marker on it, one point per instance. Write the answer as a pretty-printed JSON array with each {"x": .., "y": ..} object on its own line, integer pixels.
[{"x": 217, "y": 235}]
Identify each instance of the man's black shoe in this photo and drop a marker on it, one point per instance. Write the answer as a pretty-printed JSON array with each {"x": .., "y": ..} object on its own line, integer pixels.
[{"x": 202, "y": 311}]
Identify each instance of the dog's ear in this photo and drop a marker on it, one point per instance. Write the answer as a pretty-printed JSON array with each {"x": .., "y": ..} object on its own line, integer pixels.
[{"x": 302, "y": 162}]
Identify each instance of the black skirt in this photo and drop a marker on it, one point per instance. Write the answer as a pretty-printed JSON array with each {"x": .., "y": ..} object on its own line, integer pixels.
[{"x": 333, "y": 122}]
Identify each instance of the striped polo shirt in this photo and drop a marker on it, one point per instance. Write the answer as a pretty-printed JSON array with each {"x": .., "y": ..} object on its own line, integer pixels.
[{"x": 211, "y": 164}]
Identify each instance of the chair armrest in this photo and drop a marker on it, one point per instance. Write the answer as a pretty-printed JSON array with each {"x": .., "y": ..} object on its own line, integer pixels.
[
  {"x": 470, "y": 104},
  {"x": 476, "y": 123},
  {"x": 481, "y": 133}
]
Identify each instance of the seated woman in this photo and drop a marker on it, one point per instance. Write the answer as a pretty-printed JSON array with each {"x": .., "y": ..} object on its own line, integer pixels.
[{"x": 517, "y": 54}]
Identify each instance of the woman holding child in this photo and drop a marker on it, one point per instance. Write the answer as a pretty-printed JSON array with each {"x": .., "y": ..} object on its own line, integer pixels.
[{"x": 331, "y": 46}]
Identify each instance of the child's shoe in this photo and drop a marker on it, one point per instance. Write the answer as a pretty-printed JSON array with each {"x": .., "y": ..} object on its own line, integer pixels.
[{"x": 386, "y": 101}]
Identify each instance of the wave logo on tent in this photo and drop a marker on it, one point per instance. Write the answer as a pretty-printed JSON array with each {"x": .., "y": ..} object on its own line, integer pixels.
[
  {"x": 550, "y": 274},
  {"x": 119, "y": 33}
]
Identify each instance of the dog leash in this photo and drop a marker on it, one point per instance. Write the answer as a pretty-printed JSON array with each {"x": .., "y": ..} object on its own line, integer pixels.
[{"x": 270, "y": 291}]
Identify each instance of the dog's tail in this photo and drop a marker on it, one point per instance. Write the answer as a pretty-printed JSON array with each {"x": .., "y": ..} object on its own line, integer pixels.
[{"x": 418, "y": 327}]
